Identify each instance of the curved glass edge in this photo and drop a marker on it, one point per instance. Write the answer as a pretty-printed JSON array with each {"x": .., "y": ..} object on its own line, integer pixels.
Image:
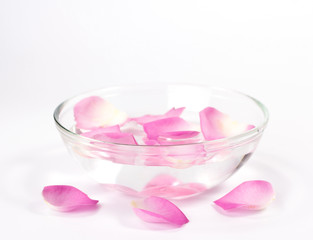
[{"x": 233, "y": 140}]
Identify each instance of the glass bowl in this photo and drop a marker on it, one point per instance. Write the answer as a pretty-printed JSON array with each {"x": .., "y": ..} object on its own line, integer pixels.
[{"x": 171, "y": 171}]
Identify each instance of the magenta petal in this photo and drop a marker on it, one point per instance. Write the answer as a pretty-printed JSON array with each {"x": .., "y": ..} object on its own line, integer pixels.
[
  {"x": 93, "y": 112},
  {"x": 159, "y": 210},
  {"x": 251, "y": 195},
  {"x": 66, "y": 198},
  {"x": 216, "y": 125},
  {"x": 156, "y": 128}
]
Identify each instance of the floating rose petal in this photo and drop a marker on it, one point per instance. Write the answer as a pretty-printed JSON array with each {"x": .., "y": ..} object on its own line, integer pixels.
[
  {"x": 183, "y": 156},
  {"x": 100, "y": 131},
  {"x": 163, "y": 126},
  {"x": 174, "y": 112},
  {"x": 66, "y": 198},
  {"x": 111, "y": 137},
  {"x": 251, "y": 195},
  {"x": 171, "y": 141},
  {"x": 106, "y": 150},
  {"x": 159, "y": 210},
  {"x": 179, "y": 134},
  {"x": 216, "y": 125},
  {"x": 122, "y": 138},
  {"x": 93, "y": 112}
]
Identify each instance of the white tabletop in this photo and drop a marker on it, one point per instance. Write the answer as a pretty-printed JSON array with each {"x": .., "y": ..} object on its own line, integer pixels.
[{"x": 50, "y": 51}]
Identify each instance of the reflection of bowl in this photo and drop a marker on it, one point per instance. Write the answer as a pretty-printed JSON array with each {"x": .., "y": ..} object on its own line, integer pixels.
[{"x": 174, "y": 170}]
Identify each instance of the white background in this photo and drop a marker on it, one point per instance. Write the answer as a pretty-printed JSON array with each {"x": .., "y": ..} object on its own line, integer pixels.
[{"x": 51, "y": 50}]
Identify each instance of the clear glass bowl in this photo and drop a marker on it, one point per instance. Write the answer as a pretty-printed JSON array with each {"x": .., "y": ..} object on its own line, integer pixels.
[{"x": 172, "y": 171}]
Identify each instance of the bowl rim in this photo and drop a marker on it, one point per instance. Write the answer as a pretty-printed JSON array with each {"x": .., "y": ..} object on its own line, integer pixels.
[{"x": 232, "y": 140}]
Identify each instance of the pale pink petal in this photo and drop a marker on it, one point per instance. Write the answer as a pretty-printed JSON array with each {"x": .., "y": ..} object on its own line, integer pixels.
[
  {"x": 179, "y": 134},
  {"x": 249, "y": 127},
  {"x": 187, "y": 156},
  {"x": 162, "y": 180},
  {"x": 146, "y": 118},
  {"x": 111, "y": 134},
  {"x": 174, "y": 112},
  {"x": 169, "y": 187},
  {"x": 177, "y": 156},
  {"x": 99, "y": 131},
  {"x": 123, "y": 189},
  {"x": 66, "y": 198},
  {"x": 164, "y": 186},
  {"x": 251, "y": 195},
  {"x": 178, "y": 138},
  {"x": 156, "y": 128},
  {"x": 216, "y": 125},
  {"x": 171, "y": 141},
  {"x": 116, "y": 137},
  {"x": 159, "y": 210},
  {"x": 175, "y": 192},
  {"x": 149, "y": 216},
  {"x": 93, "y": 112}
]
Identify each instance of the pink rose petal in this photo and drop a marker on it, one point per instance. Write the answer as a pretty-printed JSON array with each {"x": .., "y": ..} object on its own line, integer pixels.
[
  {"x": 171, "y": 141},
  {"x": 162, "y": 126},
  {"x": 177, "y": 156},
  {"x": 159, "y": 210},
  {"x": 111, "y": 134},
  {"x": 100, "y": 131},
  {"x": 251, "y": 195},
  {"x": 66, "y": 198},
  {"x": 93, "y": 112},
  {"x": 122, "y": 138},
  {"x": 174, "y": 112},
  {"x": 179, "y": 134},
  {"x": 217, "y": 125}
]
